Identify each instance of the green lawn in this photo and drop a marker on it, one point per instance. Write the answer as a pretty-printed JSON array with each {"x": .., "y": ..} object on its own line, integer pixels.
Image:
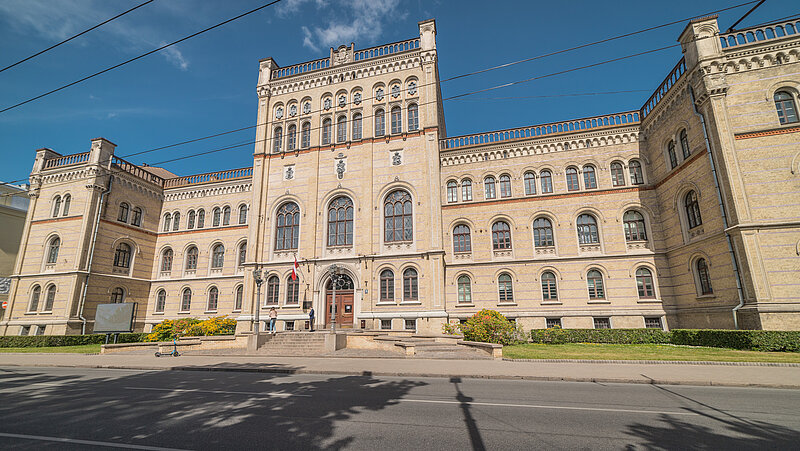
[
  {"x": 593, "y": 351},
  {"x": 80, "y": 349}
]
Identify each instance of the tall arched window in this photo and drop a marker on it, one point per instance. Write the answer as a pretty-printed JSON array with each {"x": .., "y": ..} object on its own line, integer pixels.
[
  {"x": 464, "y": 290},
  {"x": 292, "y": 291},
  {"x": 617, "y": 174},
  {"x": 242, "y": 254},
  {"x": 176, "y": 221},
  {"x": 489, "y": 188},
  {"x": 673, "y": 158},
  {"x": 288, "y": 228},
  {"x": 166, "y": 260},
  {"x": 161, "y": 301},
  {"x": 340, "y": 222},
  {"x": 238, "y": 298},
  {"x": 186, "y": 300},
  {"x": 118, "y": 296},
  {"x": 462, "y": 241},
  {"x": 305, "y": 135},
  {"x": 218, "y": 256},
  {"x": 226, "y": 215},
  {"x": 135, "y": 220},
  {"x": 190, "y": 219},
  {"x": 587, "y": 230},
  {"x": 397, "y": 120},
  {"x": 572, "y": 179},
  {"x": 326, "y": 131},
  {"x": 644, "y": 283},
  {"x": 635, "y": 168},
  {"x": 387, "y": 286},
  {"x": 277, "y": 140},
  {"x": 594, "y": 281},
  {"x": 291, "y": 137},
  {"x": 56, "y": 206},
  {"x": 530, "y": 183},
  {"x": 273, "y": 288},
  {"x": 122, "y": 256},
  {"x": 52, "y": 251},
  {"x": 505, "y": 185},
  {"x": 543, "y": 233},
  {"x": 501, "y": 235},
  {"x": 685, "y": 144},
  {"x": 505, "y": 288},
  {"x": 549, "y": 287},
  {"x": 380, "y": 122},
  {"x": 787, "y": 110},
  {"x": 124, "y": 208},
  {"x": 191, "y": 258},
  {"x": 341, "y": 129},
  {"x": 243, "y": 214},
  {"x": 692, "y": 210},
  {"x": 546, "y": 179},
  {"x": 50, "y": 299},
  {"x": 357, "y": 129},
  {"x": 201, "y": 218},
  {"x": 633, "y": 221},
  {"x": 36, "y": 293},
  {"x": 466, "y": 190},
  {"x": 410, "y": 285},
  {"x": 398, "y": 220},
  {"x": 217, "y": 216},
  {"x": 67, "y": 201},
  {"x": 452, "y": 191},
  {"x": 413, "y": 117},
  {"x": 589, "y": 177},
  {"x": 703, "y": 277},
  {"x": 213, "y": 299}
]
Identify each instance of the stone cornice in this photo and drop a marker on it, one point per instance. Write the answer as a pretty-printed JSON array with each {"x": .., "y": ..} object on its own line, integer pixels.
[{"x": 211, "y": 189}]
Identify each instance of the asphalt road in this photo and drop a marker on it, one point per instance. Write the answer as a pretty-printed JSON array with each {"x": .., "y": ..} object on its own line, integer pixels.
[{"x": 74, "y": 408}]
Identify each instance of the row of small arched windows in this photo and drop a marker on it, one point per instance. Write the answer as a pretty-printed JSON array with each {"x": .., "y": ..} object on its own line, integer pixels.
[
  {"x": 196, "y": 219},
  {"x": 212, "y": 300},
  {"x": 61, "y": 205},
  {"x": 192, "y": 255},
  {"x": 410, "y": 285},
  {"x": 125, "y": 213}
]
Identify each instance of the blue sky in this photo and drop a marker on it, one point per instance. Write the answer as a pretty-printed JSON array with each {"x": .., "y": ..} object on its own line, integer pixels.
[{"x": 207, "y": 84}]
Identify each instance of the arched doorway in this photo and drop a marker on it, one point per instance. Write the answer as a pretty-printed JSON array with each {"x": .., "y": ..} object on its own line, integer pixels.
[{"x": 345, "y": 290}]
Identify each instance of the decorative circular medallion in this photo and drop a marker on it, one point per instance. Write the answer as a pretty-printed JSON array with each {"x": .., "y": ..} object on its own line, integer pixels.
[
  {"x": 342, "y": 101},
  {"x": 327, "y": 103},
  {"x": 396, "y": 91},
  {"x": 293, "y": 110},
  {"x": 379, "y": 94},
  {"x": 306, "y": 108},
  {"x": 279, "y": 112},
  {"x": 412, "y": 88},
  {"x": 357, "y": 98}
]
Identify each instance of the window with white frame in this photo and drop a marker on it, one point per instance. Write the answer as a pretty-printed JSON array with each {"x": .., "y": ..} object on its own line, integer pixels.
[
  {"x": 452, "y": 191},
  {"x": 466, "y": 190}
]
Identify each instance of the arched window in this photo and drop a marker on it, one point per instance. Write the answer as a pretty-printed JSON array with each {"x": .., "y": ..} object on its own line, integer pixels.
[
  {"x": 50, "y": 300},
  {"x": 191, "y": 258},
  {"x": 277, "y": 139},
  {"x": 380, "y": 123},
  {"x": 466, "y": 189},
  {"x": 489, "y": 188},
  {"x": 67, "y": 201},
  {"x": 218, "y": 256},
  {"x": 305, "y": 135},
  {"x": 546, "y": 180},
  {"x": 618, "y": 174},
  {"x": 530, "y": 183},
  {"x": 464, "y": 290},
  {"x": 413, "y": 117},
  {"x": 124, "y": 208},
  {"x": 217, "y": 216},
  {"x": 397, "y": 120},
  {"x": 452, "y": 191},
  {"x": 122, "y": 256},
  {"x": 587, "y": 230},
  {"x": 685, "y": 144},
  {"x": 340, "y": 222},
  {"x": 501, "y": 235},
  {"x": 341, "y": 129},
  {"x": 186, "y": 300},
  {"x": 505, "y": 186},
  {"x": 505, "y": 288},
  {"x": 673, "y": 159},
  {"x": 190, "y": 221},
  {"x": 243, "y": 214},
  {"x": 692, "y": 210},
  {"x": 787, "y": 110},
  {"x": 589, "y": 178},
  {"x": 549, "y": 287},
  {"x": 166, "y": 260},
  {"x": 572, "y": 179},
  {"x": 703, "y": 277},
  {"x": 56, "y": 205},
  {"x": 644, "y": 283},
  {"x": 326, "y": 131},
  {"x": 238, "y": 298},
  {"x": 387, "y": 285},
  {"x": 292, "y": 291},
  {"x": 288, "y": 229},
  {"x": 461, "y": 239},
  {"x": 118, "y": 296},
  {"x": 357, "y": 126},
  {"x": 543, "y": 233},
  {"x": 36, "y": 293},
  {"x": 242, "y": 254},
  {"x": 635, "y": 168},
  {"x": 398, "y": 221},
  {"x": 594, "y": 281},
  {"x": 52, "y": 251},
  {"x": 410, "y": 285},
  {"x": 226, "y": 215},
  {"x": 213, "y": 299},
  {"x": 633, "y": 221},
  {"x": 201, "y": 218},
  {"x": 176, "y": 221},
  {"x": 135, "y": 220},
  {"x": 291, "y": 137},
  {"x": 161, "y": 301},
  {"x": 273, "y": 288}
]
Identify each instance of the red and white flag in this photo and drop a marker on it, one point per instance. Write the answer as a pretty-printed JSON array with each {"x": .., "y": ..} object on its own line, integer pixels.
[{"x": 295, "y": 268}]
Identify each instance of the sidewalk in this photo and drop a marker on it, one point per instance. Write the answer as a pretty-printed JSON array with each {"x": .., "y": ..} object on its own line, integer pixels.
[{"x": 590, "y": 371}]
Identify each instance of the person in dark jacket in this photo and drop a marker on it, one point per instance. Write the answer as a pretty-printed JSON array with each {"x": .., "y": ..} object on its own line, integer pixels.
[{"x": 311, "y": 318}]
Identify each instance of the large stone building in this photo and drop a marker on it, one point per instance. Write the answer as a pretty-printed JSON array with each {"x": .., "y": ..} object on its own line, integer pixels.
[{"x": 683, "y": 213}]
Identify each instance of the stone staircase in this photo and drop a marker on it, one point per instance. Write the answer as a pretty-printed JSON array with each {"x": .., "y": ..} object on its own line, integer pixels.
[{"x": 294, "y": 344}]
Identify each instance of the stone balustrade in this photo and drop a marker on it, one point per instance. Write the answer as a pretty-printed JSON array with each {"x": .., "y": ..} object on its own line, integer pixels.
[
  {"x": 209, "y": 177},
  {"x": 762, "y": 33},
  {"x": 67, "y": 160},
  {"x": 673, "y": 77},
  {"x": 386, "y": 49}
]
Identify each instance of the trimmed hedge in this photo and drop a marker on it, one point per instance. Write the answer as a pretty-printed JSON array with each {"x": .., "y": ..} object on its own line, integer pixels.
[
  {"x": 39, "y": 341},
  {"x": 556, "y": 335}
]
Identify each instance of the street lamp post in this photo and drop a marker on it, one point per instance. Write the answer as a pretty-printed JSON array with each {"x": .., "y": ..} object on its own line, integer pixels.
[
  {"x": 337, "y": 280},
  {"x": 256, "y": 304}
]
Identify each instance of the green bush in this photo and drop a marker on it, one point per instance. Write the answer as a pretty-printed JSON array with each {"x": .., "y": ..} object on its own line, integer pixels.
[
  {"x": 755, "y": 340},
  {"x": 39, "y": 341},
  {"x": 489, "y": 326},
  {"x": 557, "y": 335}
]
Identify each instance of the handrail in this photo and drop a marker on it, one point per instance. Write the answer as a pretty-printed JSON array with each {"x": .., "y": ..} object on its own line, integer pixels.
[
  {"x": 136, "y": 171},
  {"x": 386, "y": 49},
  {"x": 67, "y": 160},
  {"x": 664, "y": 87},
  {"x": 626, "y": 118},
  {"x": 230, "y": 174},
  {"x": 762, "y": 33}
]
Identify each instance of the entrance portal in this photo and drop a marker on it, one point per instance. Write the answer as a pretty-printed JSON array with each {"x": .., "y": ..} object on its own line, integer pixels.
[{"x": 343, "y": 307}]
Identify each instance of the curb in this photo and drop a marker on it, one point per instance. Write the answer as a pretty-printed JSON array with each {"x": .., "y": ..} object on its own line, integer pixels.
[{"x": 658, "y": 362}]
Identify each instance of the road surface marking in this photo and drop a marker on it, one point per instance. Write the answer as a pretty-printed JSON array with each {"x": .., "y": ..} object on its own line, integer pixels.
[
  {"x": 221, "y": 392},
  {"x": 86, "y": 442},
  {"x": 534, "y": 406}
]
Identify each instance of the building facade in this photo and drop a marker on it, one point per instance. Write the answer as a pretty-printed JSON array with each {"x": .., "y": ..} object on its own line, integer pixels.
[
  {"x": 681, "y": 214},
  {"x": 13, "y": 207}
]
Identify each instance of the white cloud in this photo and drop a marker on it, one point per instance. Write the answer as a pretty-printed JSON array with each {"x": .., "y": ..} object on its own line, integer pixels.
[
  {"x": 308, "y": 40},
  {"x": 174, "y": 56}
]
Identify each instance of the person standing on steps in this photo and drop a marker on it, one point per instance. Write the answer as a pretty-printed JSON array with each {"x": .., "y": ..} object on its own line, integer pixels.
[
  {"x": 273, "y": 315},
  {"x": 311, "y": 318}
]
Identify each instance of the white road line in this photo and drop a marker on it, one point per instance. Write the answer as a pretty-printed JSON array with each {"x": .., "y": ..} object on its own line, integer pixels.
[
  {"x": 86, "y": 442},
  {"x": 220, "y": 392},
  {"x": 533, "y": 406}
]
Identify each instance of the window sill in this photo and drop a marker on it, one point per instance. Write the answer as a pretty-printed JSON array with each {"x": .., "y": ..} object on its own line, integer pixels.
[
  {"x": 706, "y": 297},
  {"x": 31, "y": 313},
  {"x": 291, "y": 306},
  {"x": 411, "y": 303},
  {"x": 158, "y": 313},
  {"x": 386, "y": 303},
  {"x": 236, "y": 311},
  {"x": 46, "y": 312},
  {"x": 649, "y": 301},
  {"x": 598, "y": 301},
  {"x": 209, "y": 312},
  {"x": 465, "y": 304},
  {"x": 183, "y": 313},
  {"x": 552, "y": 303},
  {"x": 506, "y": 304}
]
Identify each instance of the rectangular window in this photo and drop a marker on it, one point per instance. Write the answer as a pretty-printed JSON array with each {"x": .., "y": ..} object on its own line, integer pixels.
[
  {"x": 24, "y": 330},
  {"x": 466, "y": 191},
  {"x": 386, "y": 324},
  {"x": 288, "y": 325},
  {"x": 397, "y": 122},
  {"x": 602, "y": 323},
  {"x": 40, "y": 330},
  {"x": 411, "y": 324},
  {"x": 653, "y": 323},
  {"x": 553, "y": 322}
]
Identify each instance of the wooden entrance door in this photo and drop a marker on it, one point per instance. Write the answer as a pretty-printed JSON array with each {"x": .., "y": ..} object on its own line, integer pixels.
[{"x": 344, "y": 303}]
